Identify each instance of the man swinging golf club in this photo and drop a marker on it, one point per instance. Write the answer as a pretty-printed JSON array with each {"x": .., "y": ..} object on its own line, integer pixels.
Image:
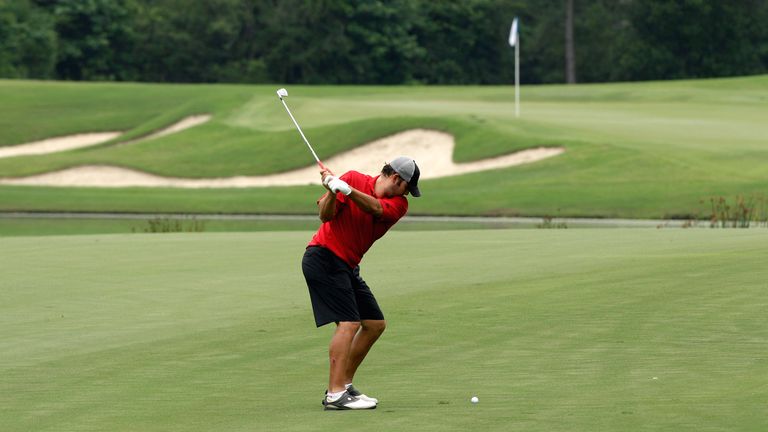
[{"x": 356, "y": 211}]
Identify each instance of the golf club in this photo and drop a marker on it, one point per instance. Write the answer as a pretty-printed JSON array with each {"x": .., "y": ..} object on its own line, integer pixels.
[{"x": 281, "y": 93}]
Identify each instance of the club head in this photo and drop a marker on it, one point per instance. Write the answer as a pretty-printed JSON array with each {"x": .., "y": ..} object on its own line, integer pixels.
[{"x": 281, "y": 93}]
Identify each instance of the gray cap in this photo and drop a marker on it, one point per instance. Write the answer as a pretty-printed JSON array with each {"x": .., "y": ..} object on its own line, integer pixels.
[{"x": 407, "y": 169}]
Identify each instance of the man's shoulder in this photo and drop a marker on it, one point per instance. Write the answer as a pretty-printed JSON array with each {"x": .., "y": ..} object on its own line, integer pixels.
[
  {"x": 394, "y": 207},
  {"x": 355, "y": 174},
  {"x": 400, "y": 200},
  {"x": 358, "y": 180}
]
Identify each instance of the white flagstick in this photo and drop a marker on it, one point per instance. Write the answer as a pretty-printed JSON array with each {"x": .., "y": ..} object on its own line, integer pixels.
[
  {"x": 517, "y": 78},
  {"x": 514, "y": 40}
]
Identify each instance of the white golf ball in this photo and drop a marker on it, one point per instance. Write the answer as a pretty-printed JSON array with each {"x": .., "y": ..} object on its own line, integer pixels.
[{"x": 474, "y": 399}]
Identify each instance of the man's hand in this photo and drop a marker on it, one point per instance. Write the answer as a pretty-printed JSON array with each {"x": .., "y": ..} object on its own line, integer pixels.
[
  {"x": 337, "y": 185},
  {"x": 326, "y": 175}
]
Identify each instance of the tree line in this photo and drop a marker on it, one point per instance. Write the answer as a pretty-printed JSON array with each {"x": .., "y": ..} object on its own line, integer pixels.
[{"x": 381, "y": 42}]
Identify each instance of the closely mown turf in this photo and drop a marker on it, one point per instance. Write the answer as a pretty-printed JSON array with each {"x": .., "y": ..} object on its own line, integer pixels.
[
  {"x": 46, "y": 225},
  {"x": 554, "y": 330},
  {"x": 635, "y": 150}
]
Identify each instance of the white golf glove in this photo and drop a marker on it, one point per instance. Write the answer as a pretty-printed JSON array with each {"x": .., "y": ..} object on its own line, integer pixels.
[
  {"x": 339, "y": 185},
  {"x": 328, "y": 179}
]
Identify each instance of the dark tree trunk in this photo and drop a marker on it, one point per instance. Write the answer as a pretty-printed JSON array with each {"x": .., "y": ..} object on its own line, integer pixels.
[{"x": 570, "y": 51}]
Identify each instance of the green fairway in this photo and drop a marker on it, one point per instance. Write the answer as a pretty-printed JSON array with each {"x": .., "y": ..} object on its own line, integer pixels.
[
  {"x": 633, "y": 150},
  {"x": 554, "y": 330},
  {"x": 77, "y": 225}
]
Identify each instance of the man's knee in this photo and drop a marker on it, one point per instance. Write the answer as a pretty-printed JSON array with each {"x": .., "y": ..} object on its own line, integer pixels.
[
  {"x": 374, "y": 326},
  {"x": 347, "y": 327}
]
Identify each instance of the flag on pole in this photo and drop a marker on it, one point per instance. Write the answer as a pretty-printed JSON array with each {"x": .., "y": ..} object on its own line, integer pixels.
[
  {"x": 513, "y": 33},
  {"x": 514, "y": 41}
]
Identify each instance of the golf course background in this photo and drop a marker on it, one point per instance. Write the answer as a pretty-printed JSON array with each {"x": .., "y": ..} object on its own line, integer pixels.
[
  {"x": 553, "y": 330},
  {"x": 172, "y": 309},
  {"x": 635, "y": 150}
]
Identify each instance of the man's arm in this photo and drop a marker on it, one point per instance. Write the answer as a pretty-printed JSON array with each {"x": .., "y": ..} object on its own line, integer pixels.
[
  {"x": 327, "y": 206},
  {"x": 366, "y": 203}
]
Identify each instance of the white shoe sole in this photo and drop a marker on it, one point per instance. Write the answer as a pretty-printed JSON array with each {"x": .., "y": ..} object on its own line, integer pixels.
[
  {"x": 357, "y": 405},
  {"x": 347, "y": 402},
  {"x": 368, "y": 398}
]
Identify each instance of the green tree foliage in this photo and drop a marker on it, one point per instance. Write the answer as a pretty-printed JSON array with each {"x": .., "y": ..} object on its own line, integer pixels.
[
  {"x": 304, "y": 41},
  {"x": 95, "y": 39},
  {"x": 694, "y": 39},
  {"x": 196, "y": 41},
  {"x": 377, "y": 41},
  {"x": 603, "y": 32},
  {"x": 27, "y": 41},
  {"x": 384, "y": 47},
  {"x": 335, "y": 41},
  {"x": 463, "y": 39},
  {"x": 542, "y": 43}
]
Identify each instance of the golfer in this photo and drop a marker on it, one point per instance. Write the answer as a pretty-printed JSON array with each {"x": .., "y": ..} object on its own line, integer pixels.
[{"x": 356, "y": 211}]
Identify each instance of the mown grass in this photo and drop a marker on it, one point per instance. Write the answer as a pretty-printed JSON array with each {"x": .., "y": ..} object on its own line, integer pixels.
[
  {"x": 642, "y": 150},
  {"x": 73, "y": 225},
  {"x": 554, "y": 330},
  {"x": 40, "y": 224}
]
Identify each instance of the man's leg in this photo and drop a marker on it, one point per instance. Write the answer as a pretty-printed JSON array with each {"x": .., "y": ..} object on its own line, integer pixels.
[
  {"x": 339, "y": 353},
  {"x": 366, "y": 336},
  {"x": 338, "y": 397}
]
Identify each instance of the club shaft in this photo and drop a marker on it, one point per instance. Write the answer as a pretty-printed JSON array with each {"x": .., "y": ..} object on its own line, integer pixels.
[{"x": 302, "y": 134}]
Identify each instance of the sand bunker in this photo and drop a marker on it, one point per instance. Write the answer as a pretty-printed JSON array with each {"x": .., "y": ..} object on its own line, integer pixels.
[
  {"x": 58, "y": 144},
  {"x": 70, "y": 142},
  {"x": 185, "y": 123},
  {"x": 431, "y": 149}
]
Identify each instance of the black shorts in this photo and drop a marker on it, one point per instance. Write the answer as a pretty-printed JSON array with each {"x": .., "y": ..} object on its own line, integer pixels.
[{"x": 338, "y": 293}]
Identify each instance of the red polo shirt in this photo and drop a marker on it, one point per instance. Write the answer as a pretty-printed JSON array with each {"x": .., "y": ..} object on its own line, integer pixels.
[{"x": 352, "y": 231}]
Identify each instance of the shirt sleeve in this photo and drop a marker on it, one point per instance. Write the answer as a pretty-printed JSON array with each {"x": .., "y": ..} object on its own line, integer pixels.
[
  {"x": 393, "y": 208},
  {"x": 350, "y": 177}
]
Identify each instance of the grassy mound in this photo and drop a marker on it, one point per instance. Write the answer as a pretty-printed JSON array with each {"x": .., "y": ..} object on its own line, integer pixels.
[{"x": 633, "y": 150}]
